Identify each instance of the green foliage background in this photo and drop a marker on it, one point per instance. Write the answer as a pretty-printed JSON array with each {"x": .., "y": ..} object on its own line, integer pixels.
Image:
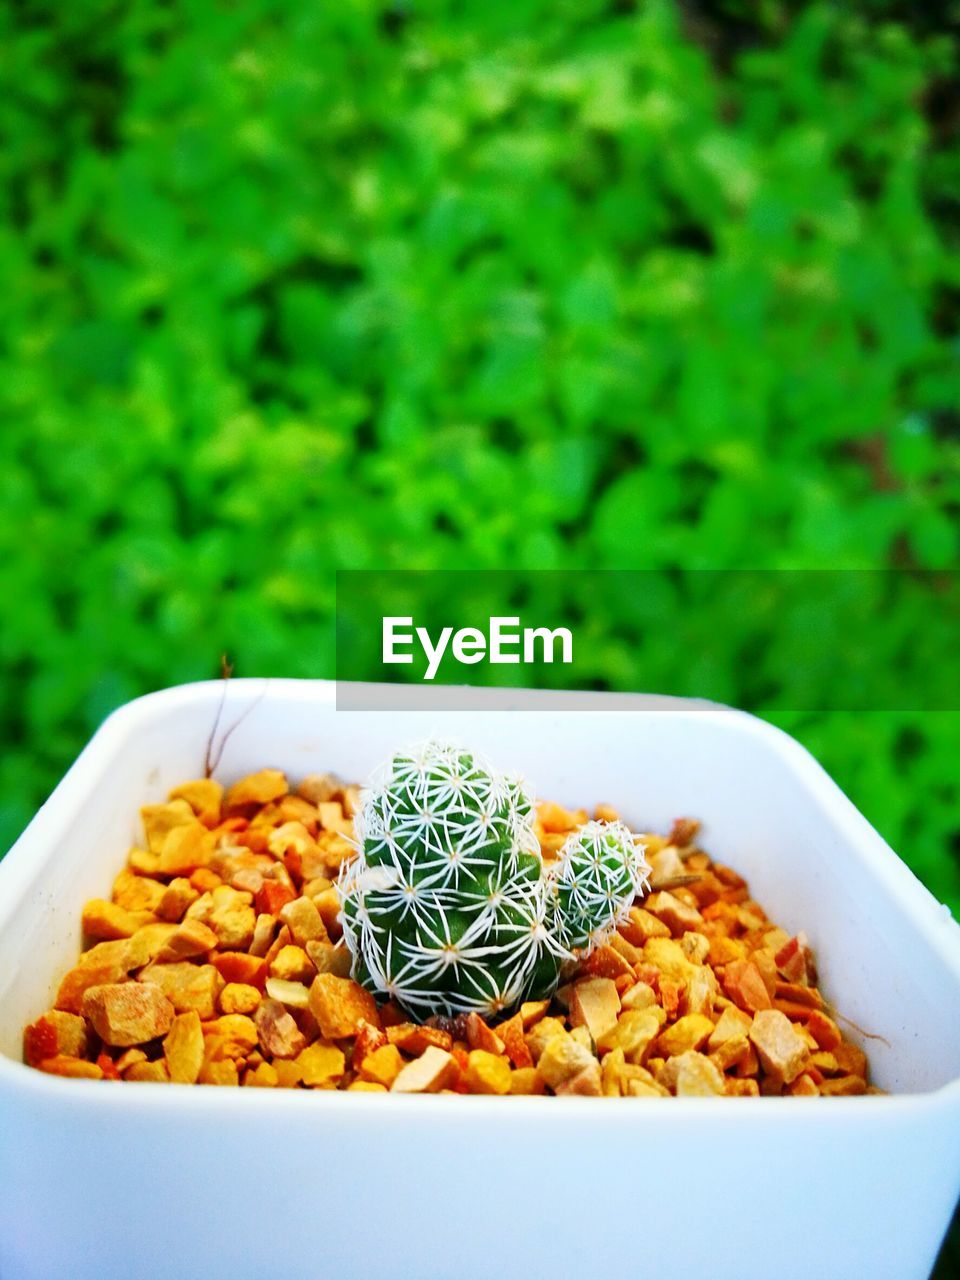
[
  {"x": 557, "y": 284},
  {"x": 551, "y": 283}
]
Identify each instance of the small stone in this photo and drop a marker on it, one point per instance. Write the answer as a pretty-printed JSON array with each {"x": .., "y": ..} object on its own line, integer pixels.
[
  {"x": 239, "y": 997},
  {"x": 72, "y": 1068},
  {"x": 844, "y": 1087},
  {"x": 187, "y": 986},
  {"x": 57, "y": 1034},
  {"x": 514, "y": 1042},
  {"x": 382, "y": 1066},
  {"x": 414, "y": 1039},
  {"x": 730, "y": 1053},
  {"x": 232, "y": 1035},
  {"x": 487, "y": 1073},
  {"x": 595, "y": 1004},
  {"x": 695, "y": 946},
  {"x": 219, "y": 1072},
  {"x": 317, "y": 788},
  {"x": 160, "y": 819},
  {"x": 732, "y": 1023},
  {"x": 666, "y": 864},
  {"x": 367, "y": 1040},
  {"x": 278, "y": 1034},
  {"x": 526, "y": 1081},
  {"x": 263, "y": 931},
  {"x": 179, "y": 896},
  {"x": 824, "y": 1030},
  {"x": 239, "y": 966},
  {"x": 686, "y": 1033},
  {"x": 190, "y": 939},
  {"x": 185, "y": 849},
  {"x": 257, "y": 788},
  {"x": 698, "y": 1077},
  {"x": 541, "y": 1034},
  {"x": 701, "y": 992},
  {"x": 304, "y": 922},
  {"x": 744, "y": 985},
  {"x": 481, "y": 1036},
  {"x": 640, "y": 996},
  {"x": 106, "y": 920},
  {"x": 232, "y": 918},
  {"x": 326, "y": 957},
  {"x": 293, "y": 995},
  {"x": 183, "y": 1048},
  {"x": 640, "y": 926},
  {"x": 321, "y": 1065},
  {"x": 531, "y": 1012},
  {"x": 434, "y": 1070},
  {"x": 562, "y": 1059},
  {"x": 136, "y": 893},
  {"x": 340, "y": 1005},
  {"x": 204, "y": 796},
  {"x": 666, "y": 954},
  {"x": 292, "y": 964},
  {"x": 781, "y": 1049},
  {"x": 586, "y": 1083},
  {"x": 126, "y": 1013},
  {"x": 804, "y": 1087},
  {"x": 264, "y": 1076},
  {"x": 634, "y": 1033},
  {"x": 677, "y": 915}
]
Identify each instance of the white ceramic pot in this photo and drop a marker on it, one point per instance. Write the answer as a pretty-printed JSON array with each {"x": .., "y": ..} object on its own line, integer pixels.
[{"x": 135, "y": 1181}]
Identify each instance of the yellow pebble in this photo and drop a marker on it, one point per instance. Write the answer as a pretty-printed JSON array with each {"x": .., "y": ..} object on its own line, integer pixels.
[
  {"x": 263, "y": 1077},
  {"x": 487, "y": 1073},
  {"x": 320, "y": 1064},
  {"x": 526, "y": 1080},
  {"x": 685, "y": 1034},
  {"x": 382, "y": 1066},
  {"x": 239, "y": 997}
]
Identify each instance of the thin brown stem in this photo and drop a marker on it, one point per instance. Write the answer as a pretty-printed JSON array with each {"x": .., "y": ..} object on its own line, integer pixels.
[
  {"x": 226, "y": 671},
  {"x": 867, "y": 1035}
]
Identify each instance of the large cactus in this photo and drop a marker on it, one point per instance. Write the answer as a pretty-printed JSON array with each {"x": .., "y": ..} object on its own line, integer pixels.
[{"x": 447, "y": 906}]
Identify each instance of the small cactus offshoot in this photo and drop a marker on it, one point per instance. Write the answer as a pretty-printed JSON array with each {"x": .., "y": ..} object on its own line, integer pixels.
[
  {"x": 599, "y": 873},
  {"x": 447, "y": 906}
]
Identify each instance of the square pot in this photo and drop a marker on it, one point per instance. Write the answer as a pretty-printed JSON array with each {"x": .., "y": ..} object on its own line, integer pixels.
[{"x": 103, "y": 1181}]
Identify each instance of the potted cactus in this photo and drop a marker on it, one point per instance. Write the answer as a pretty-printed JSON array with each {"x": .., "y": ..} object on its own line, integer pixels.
[{"x": 447, "y": 906}]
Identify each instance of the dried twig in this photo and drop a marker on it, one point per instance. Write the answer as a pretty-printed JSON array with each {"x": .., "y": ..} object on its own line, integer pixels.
[
  {"x": 212, "y": 758},
  {"x": 673, "y": 882},
  {"x": 867, "y": 1035},
  {"x": 226, "y": 671}
]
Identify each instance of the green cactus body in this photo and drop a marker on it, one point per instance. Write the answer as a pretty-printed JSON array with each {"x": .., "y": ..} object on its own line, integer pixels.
[
  {"x": 596, "y": 880},
  {"x": 447, "y": 906}
]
